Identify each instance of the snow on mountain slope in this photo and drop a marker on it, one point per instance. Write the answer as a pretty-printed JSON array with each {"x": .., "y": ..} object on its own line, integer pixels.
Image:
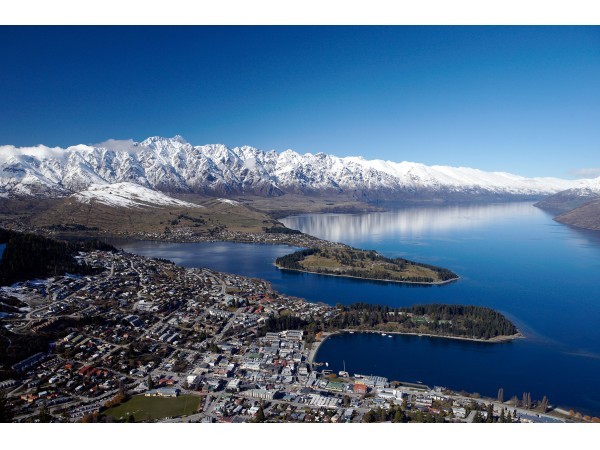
[
  {"x": 174, "y": 165},
  {"x": 588, "y": 187},
  {"x": 228, "y": 201},
  {"x": 128, "y": 195}
]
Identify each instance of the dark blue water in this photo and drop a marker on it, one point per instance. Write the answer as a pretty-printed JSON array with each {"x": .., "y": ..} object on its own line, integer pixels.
[
  {"x": 511, "y": 257},
  {"x": 2, "y": 247},
  {"x": 517, "y": 367},
  {"x": 251, "y": 260}
]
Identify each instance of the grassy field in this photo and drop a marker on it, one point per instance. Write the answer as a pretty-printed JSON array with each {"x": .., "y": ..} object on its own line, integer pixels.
[
  {"x": 151, "y": 408},
  {"x": 332, "y": 263}
]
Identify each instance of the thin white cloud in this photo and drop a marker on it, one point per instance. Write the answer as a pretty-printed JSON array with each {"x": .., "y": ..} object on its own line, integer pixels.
[
  {"x": 586, "y": 172},
  {"x": 127, "y": 145}
]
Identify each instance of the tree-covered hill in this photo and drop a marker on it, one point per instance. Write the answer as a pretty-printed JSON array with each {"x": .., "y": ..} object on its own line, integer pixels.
[
  {"x": 29, "y": 256},
  {"x": 352, "y": 262},
  {"x": 446, "y": 320},
  {"x": 466, "y": 321}
]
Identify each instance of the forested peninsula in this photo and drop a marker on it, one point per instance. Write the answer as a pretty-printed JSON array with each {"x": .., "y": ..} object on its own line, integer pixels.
[
  {"x": 461, "y": 321},
  {"x": 368, "y": 264}
]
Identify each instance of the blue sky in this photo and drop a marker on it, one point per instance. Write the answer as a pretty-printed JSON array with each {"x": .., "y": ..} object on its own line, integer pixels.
[{"x": 518, "y": 99}]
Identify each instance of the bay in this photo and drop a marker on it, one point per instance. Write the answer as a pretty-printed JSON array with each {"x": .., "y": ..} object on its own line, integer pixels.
[{"x": 511, "y": 257}]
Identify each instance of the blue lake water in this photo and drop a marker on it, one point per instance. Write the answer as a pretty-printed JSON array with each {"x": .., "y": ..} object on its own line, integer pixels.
[
  {"x": 2, "y": 247},
  {"x": 511, "y": 257}
]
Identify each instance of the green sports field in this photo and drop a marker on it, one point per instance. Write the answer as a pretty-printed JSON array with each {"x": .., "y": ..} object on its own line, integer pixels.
[{"x": 152, "y": 408}]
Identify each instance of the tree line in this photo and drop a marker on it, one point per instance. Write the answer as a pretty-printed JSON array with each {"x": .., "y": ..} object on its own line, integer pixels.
[
  {"x": 28, "y": 256},
  {"x": 446, "y": 320},
  {"x": 281, "y": 230},
  {"x": 456, "y": 320}
]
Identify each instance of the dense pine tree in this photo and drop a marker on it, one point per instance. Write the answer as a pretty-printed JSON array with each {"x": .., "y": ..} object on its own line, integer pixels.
[{"x": 29, "y": 256}]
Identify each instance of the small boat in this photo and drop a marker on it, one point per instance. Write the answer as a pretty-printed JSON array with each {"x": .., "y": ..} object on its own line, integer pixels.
[
  {"x": 351, "y": 332},
  {"x": 383, "y": 334},
  {"x": 390, "y": 335},
  {"x": 343, "y": 373}
]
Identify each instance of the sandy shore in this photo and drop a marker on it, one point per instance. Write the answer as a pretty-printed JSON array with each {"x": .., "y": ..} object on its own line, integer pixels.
[{"x": 317, "y": 344}]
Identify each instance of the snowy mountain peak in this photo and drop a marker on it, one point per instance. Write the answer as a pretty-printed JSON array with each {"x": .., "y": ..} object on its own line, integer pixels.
[{"x": 179, "y": 138}]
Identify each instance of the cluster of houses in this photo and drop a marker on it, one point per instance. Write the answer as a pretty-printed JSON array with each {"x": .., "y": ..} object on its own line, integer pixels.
[{"x": 161, "y": 330}]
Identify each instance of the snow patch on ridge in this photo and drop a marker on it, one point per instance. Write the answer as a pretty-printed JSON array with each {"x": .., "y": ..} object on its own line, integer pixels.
[
  {"x": 229, "y": 202},
  {"x": 128, "y": 195}
]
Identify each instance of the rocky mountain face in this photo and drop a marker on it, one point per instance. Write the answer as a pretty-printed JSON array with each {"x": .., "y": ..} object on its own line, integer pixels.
[
  {"x": 172, "y": 165},
  {"x": 585, "y": 216}
]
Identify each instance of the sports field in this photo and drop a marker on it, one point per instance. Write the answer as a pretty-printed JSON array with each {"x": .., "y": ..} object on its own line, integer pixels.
[{"x": 152, "y": 408}]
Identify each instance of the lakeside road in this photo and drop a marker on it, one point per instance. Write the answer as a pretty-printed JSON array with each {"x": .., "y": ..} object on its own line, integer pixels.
[{"x": 495, "y": 340}]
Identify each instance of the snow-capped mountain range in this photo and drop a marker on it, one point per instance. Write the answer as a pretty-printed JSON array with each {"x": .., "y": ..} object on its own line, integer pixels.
[
  {"x": 173, "y": 165},
  {"x": 586, "y": 188}
]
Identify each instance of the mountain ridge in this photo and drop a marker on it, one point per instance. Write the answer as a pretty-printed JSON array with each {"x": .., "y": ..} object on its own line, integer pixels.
[{"x": 172, "y": 165}]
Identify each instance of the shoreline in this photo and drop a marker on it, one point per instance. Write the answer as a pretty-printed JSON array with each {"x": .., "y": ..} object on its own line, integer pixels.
[
  {"x": 326, "y": 335},
  {"x": 422, "y": 283},
  {"x": 301, "y": 241},
  {"x": 317, "y": 345}
]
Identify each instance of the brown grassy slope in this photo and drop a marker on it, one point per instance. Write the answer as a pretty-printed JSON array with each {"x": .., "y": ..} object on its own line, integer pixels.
[
  {"x": 586, "y": 216},
  {"x": 96, "y": 217},
  {"x": 565, "y": 201}
]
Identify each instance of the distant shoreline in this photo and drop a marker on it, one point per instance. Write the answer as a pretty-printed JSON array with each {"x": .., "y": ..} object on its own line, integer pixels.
[
  {"x": 326, "y": 335},
  {"x": 424, "y": 283}
]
